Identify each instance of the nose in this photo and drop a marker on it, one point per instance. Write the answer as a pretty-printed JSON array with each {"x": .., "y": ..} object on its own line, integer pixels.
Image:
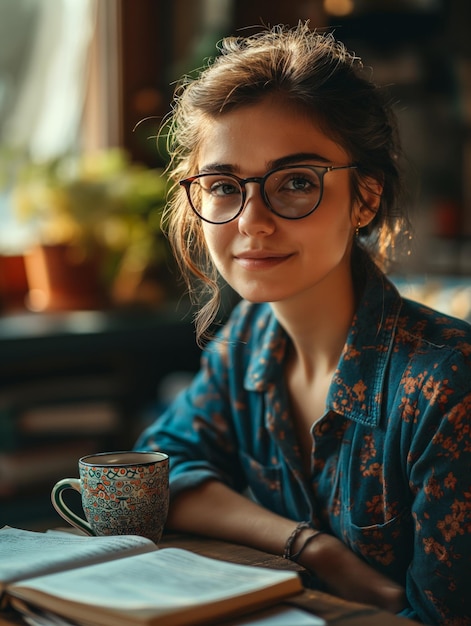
[{"x": 255, "y": 218}]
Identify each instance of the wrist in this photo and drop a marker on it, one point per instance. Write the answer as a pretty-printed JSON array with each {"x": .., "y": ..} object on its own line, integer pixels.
[
  {"x": 321, "y": 553},
  {"x": 293, "y": 538},
  {"x": 297, "y": 543},
  {"x": 303, "y": 543}
]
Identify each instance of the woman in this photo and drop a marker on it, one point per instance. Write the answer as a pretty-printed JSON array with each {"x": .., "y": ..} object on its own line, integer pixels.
[{"x": 330, "y": 420}]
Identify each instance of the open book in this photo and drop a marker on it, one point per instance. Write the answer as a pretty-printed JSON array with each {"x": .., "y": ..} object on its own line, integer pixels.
[{"x": 128, "y": 580}]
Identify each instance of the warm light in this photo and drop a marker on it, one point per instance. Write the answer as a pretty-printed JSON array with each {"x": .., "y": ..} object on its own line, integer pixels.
[
  {"x": 338, "y": 7},
  {"x": 37, "y": 300}
]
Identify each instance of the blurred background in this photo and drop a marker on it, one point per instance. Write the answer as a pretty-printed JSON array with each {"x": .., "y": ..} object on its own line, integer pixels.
[{"x": 95, "y": 331}]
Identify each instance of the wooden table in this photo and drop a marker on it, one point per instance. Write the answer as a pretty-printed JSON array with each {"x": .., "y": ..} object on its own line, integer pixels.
[{"x": 332, "y": 609}]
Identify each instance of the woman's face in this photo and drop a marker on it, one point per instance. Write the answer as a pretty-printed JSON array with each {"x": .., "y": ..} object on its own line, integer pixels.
[{"x": 264, "y": 257}]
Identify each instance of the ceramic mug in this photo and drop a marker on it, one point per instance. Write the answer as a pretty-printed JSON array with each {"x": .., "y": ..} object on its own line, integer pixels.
[{"x": 123, "y": 493}]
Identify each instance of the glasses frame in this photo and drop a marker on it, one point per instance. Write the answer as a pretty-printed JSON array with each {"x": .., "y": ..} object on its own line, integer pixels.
[{"x": 321, "y": 170}]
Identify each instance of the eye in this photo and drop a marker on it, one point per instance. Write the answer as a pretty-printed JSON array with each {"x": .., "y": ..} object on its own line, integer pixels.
[
  {"x": 219, "y": 186},
  {"x": 297, "y": 181},
  {"x": 224, "y": 188}
]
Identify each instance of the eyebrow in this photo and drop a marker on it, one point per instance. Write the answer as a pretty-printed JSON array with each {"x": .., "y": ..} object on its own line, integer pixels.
[{"x": 289, "y": 159}]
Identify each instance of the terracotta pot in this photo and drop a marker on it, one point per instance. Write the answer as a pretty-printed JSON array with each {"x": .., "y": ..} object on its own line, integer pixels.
[
  {"x": 13, "y": 282},
  {"x": 62, "y": 277}
]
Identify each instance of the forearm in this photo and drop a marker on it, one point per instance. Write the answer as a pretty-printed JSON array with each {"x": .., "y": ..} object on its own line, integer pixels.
[
  {"x": 346, "y": 575},
  {"x": 215, "y": 510}
]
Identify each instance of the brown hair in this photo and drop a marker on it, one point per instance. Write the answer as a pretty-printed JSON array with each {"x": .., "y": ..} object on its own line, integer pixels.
[{"x": 317, "y": 74}]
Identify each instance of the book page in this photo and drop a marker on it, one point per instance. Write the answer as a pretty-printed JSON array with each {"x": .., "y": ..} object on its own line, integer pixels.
[
  {"x": 24, "y": 553},
  {"x": 274, "y": 616},
  {"x": 157, "y": 579},
  {"x": 278, "y": 616},
  {"x": 168, "y": 581}
]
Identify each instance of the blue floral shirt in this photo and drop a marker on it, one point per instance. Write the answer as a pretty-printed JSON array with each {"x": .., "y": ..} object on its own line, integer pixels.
[{"x": 391, "y": 456}]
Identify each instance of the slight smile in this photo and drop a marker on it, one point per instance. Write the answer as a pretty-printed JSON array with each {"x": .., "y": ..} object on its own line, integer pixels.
[{"x": 260, "y": 259}]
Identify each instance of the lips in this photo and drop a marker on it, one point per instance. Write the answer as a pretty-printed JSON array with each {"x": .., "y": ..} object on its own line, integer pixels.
[{"x": 260, "y": 259}]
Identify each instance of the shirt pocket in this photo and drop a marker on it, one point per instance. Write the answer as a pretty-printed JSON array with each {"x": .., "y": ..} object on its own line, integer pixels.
[
  {"x": 387, "y": 547},
  {"x": 264, "y": 483}
]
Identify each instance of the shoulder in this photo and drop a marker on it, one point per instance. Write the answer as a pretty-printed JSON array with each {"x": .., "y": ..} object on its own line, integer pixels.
[
  {"x": 433, "y": 353},
  {"x": 428, "y": 329},
  {"x": 247, "y": 327},
  {"x": 413, "y": 341}
]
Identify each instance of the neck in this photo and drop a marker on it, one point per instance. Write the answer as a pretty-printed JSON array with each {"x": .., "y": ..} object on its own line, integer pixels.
[{"x": 318, "y": 322}]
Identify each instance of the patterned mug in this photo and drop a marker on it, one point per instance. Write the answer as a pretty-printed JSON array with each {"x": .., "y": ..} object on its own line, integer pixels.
[{"x": 123, "y": 493}]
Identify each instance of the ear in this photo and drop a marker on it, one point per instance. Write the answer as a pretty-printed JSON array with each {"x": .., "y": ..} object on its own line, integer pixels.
[{"x": 367, "y": 206}]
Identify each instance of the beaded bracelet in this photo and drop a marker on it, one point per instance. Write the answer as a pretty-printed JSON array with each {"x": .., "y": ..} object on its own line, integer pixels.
[
  {"x": 289, "y": 542},
  {"x": 295, "y": 557}
]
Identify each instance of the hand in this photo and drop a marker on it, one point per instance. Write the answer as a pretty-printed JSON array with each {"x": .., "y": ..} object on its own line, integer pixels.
[{"x": 347, "y": 576}]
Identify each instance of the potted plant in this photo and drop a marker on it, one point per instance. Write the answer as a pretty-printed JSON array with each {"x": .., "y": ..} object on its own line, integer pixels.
[{"x": 96, "y": 216}]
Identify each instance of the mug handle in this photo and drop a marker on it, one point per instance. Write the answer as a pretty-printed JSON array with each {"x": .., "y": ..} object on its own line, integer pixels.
[{"x": 63, "y": 510}]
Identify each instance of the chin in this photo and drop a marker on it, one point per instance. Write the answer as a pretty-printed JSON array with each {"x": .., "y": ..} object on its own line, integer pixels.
[
  {"x": 257, "y": 296},
  {"x": 255, "y": 300},
  {"x": 259, "y": 291}
]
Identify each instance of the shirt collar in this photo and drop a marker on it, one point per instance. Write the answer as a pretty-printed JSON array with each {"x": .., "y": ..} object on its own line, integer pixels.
[{"x": 357, "y": 387}]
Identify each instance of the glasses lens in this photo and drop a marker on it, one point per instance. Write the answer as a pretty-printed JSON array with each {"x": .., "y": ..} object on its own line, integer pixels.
[
  {"x": 293, "y": 192},
  {"x": 216, "y": 198}
]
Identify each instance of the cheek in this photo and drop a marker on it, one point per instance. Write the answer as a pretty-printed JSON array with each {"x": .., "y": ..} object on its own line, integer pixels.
[
  {"x": 335, "y": 214},
  {"x": 217, "y": 239}
]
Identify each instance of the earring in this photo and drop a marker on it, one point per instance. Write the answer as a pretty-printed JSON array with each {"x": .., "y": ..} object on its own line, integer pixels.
[{"x": 357, "y": 229}]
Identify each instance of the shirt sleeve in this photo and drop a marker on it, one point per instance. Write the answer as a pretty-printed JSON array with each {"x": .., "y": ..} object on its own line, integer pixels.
[
  {"x": 196, "y": 430},
  {"x": 440, "y": 483}
]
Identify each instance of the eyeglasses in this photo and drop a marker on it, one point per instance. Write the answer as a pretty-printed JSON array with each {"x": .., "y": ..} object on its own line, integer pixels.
[{"x": 291, "y": 192}]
